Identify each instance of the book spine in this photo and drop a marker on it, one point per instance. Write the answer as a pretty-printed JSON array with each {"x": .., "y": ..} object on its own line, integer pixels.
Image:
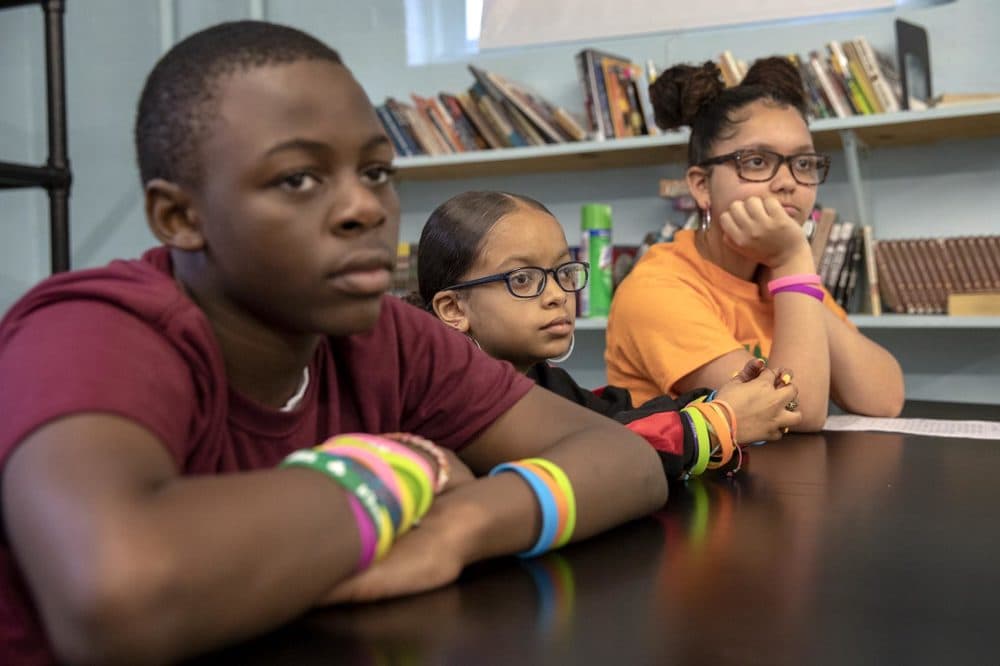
[
  {"x": 899, "y": 273},
  {"x": 858, "y": 71},
  {"x": 990, "y": 260},
  {"x": 871, "y": 271},
  {"x": 645, "y": 103},
  {"x": 475, "y": 116},
  {"x": 888, "y": 279},
  {"x": 835, "y": 95},
  {"x": 839, "y": 64},
  {"x": 588, "y": 96},
  {"x": 470, "y": 135},
  {"x": 405, "y": 126},
  {"x": 602, "y": 110},
  {"x": 880, "y": 86},
  {"x": 392, "y": 130},
  {"x": 617, "y": 104}
]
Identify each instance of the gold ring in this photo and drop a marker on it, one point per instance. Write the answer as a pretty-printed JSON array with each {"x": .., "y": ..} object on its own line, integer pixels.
[{"x": 792, "y": 405}]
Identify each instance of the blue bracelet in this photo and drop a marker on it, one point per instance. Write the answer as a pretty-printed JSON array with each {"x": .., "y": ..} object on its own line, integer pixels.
[{"x": 550, "y": 512}]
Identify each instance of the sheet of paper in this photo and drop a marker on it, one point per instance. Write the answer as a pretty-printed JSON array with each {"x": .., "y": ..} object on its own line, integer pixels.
[{"x": 932, "y": 427}]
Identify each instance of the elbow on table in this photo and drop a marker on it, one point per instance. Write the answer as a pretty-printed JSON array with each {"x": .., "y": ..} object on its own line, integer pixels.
[{"x": 113, "y": 613}]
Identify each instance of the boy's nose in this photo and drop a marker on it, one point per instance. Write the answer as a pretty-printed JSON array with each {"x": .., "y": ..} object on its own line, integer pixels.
[{"x": 357, "y": 209}]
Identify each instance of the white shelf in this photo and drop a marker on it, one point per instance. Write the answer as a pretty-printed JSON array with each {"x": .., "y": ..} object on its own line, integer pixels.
[
  {"x": 888, "y": 321},
  {"x": 887, "y": 129},
  {"x": 924, "y": 321},
  {"x": 591, "y": 323}
]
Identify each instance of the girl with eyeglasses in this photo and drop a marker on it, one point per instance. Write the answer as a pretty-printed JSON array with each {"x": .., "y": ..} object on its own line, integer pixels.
[
  {"x": 744, "y": 284},
  {"x": 496, "y": 267}
]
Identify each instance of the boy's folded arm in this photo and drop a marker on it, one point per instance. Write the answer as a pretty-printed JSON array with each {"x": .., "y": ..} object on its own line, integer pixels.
[
  {"x": 128, "y": 561},
  {"x": 616, "y": 476}
]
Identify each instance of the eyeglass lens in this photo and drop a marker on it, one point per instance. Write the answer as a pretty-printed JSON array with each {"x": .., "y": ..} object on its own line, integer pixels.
[
  {"x": 527, "y": 282},
  {"x": 763, "y": 165}
]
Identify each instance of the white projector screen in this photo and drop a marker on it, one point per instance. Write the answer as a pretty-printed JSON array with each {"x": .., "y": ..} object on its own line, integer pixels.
[{"x": 508, "y": 23}]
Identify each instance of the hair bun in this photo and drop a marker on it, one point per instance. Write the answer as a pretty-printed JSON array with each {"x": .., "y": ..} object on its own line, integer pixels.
[
  {"x": 780, "y": 78},
  {"x": 678, "y": 93}
]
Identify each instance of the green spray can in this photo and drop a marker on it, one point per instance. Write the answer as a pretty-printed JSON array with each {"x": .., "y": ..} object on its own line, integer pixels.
[{"x": 595, "y": 247}]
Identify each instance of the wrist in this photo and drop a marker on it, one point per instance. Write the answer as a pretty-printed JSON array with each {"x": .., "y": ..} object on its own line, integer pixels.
[
  {"x": 466, "y": 524},
  {"x": 800, "y": 261}
]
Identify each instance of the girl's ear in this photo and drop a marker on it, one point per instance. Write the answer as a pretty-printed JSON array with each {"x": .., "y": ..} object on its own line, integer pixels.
[
  {"x": 451, "y": 309},
  {"x": 171, "y": 217},
  {"x": 697, "y": 180}
]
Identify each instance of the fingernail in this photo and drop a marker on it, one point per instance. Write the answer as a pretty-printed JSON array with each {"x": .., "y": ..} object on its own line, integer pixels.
[{"x": 735, "y": 374}]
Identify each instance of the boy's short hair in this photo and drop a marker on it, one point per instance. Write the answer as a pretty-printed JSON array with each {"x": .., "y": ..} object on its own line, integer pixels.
[{"x": 175, "y": 105}]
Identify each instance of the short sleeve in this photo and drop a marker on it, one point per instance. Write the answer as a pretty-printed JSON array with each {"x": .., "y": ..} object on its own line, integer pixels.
[
  {"x": 666, "y": 342},
  {"x": 87, "y": 356}
]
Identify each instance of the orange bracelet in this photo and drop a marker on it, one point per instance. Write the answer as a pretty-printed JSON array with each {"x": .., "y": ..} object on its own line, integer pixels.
[
  {"x": 731, "y": 413},
  {"x": 717, "y": 419},
  {"x": 557, "y": 494}
]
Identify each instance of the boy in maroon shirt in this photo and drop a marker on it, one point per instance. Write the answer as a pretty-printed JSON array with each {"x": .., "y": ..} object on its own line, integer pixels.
[{"x": 146, "y": 404}]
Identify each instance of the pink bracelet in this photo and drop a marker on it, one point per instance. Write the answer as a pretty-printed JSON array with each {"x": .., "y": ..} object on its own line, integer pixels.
[
  {"x": 366, "y": 532},
  {"x": 799, "y": 278},
  {"x": 806, "y": 289},
  {"x": 341, "y": 445},
  {"x": 385, "y": 442}
]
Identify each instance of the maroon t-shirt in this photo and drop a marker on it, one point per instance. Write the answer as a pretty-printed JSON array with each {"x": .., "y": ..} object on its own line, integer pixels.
[{"x": 124, "y": 339}]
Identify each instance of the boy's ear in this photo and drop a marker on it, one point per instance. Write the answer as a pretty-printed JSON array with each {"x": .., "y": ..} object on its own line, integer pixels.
[
  {"x": 451, "y": 309},
  {"x": 697, "y": 180},
  {"x": 170, "y": 216}
]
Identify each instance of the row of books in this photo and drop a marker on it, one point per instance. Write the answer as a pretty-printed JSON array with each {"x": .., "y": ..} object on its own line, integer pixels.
[
  {"x": 917, "y": 276},
  {"x": 494, "y": 112},
  {"x": 615, "y": 95},
  {"x": 840, "y": 250},
  {"x": 850, "y": 78}
]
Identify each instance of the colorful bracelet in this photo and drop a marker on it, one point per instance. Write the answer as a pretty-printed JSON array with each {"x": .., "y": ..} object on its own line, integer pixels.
[
  {"x": 557, "y": 495},
  {"x": 341, "y": 472},
  {"x": 731, "y": 413},
  {"x": 366, "y": 533},
  {"x": 562, "y": 481},
  {"x": 717, "y": 418},
  {"x": 546, "y": 501},
  {"x": 412, "y": 469},
  {"x": 806, "y": 289},
  {"x": 366, "y": 454},
  {"x": 798, "y": 278},
  {"x": 702, "y": 438},
  {"x": 373, "y": 463},
  {"x": 431, "y": 449}
]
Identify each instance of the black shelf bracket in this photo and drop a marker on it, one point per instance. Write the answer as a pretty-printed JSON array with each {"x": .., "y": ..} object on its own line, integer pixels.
[{"x": 55, "y": 175}]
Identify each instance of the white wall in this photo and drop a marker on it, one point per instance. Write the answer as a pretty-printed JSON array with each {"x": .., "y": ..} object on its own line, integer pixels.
[{"x": 112, "y": 44}]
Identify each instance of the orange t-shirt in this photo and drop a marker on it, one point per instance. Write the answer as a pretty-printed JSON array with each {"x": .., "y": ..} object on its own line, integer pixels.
[{"x": 676, "y": 312}]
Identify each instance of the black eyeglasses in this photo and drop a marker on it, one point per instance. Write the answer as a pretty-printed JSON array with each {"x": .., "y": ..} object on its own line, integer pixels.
[
  {"x": 530, "y": 281},
  {"x": 760, "y": 166}
]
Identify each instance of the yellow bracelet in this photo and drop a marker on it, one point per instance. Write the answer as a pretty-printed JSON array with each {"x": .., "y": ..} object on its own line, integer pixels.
[{"x": 562, "y": 481}]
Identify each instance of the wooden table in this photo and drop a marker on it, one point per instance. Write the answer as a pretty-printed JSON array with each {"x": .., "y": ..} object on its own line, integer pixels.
[{"x": 836, "y": 548}]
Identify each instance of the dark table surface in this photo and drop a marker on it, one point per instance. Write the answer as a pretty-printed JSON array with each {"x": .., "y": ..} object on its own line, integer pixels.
[{"x": 835, "y": 548}]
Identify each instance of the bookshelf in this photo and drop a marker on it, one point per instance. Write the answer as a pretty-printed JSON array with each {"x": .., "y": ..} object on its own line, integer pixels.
[
  {"x": 888, "y": 321},
  {"x": 852, "y": 135},
  {"x": 902, "y": 128}
]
